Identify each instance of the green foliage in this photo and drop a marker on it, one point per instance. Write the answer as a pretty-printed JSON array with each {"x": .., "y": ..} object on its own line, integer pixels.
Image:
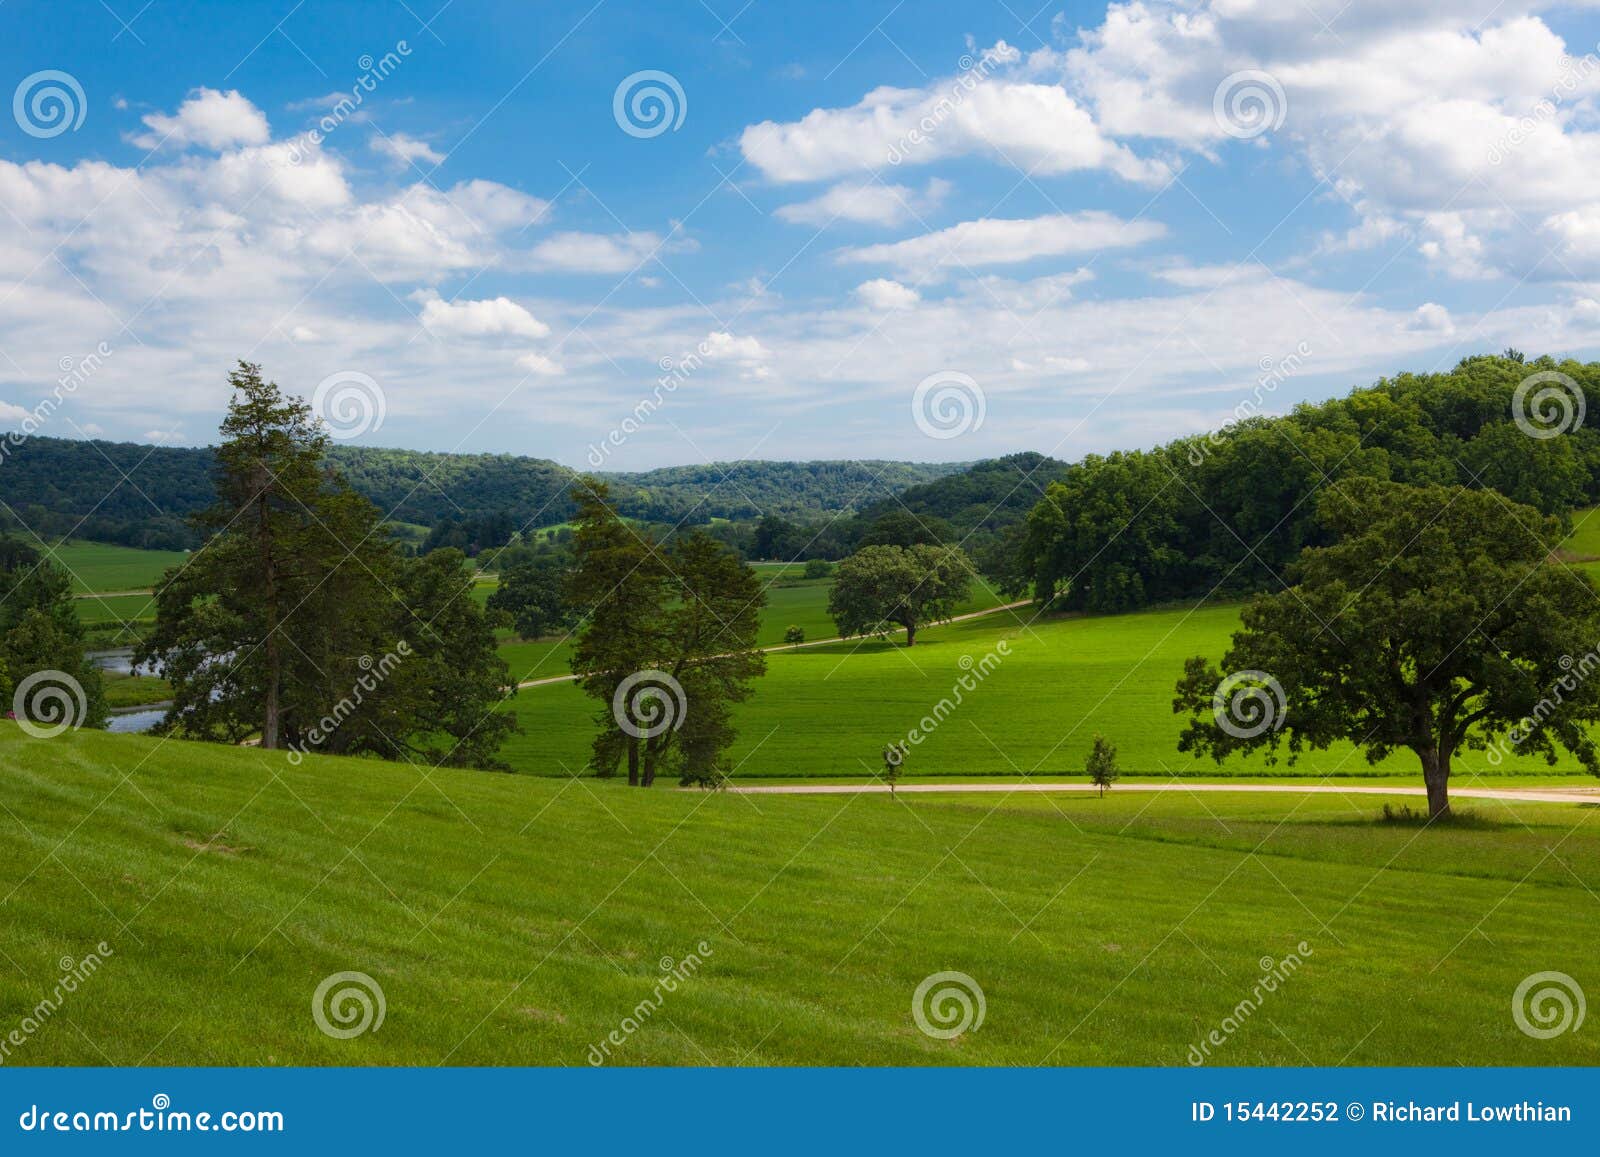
[
  {"x": 40, "y": 632},
  {"x": 894, "y": 759},
  {"x": 1101, "y": 766},
  {"x": 881, "y": 587},
  {"x": 669, "y": 630},
  {"x": 1433, "y": 624},
  {"x": 299, "y": 618},
  {"x": 818, "y": 568},
  {"x": 899, "y": 527},
  {"x": 1230, "y": 512},
  {"x": 794, "y": 633},
  {"x": 532, "y": 596}
]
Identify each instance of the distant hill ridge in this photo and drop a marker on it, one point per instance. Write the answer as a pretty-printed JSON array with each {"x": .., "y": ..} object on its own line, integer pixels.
[{"x": 139, "y": 495}]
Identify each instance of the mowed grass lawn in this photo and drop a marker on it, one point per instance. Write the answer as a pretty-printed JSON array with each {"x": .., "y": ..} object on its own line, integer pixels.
[
  {"x": 829, "y": 710},
  {"x": 517, "y": 920}
]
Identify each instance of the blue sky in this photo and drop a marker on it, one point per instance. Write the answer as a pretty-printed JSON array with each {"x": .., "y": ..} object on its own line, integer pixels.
[{"x": 922, "y": 231}]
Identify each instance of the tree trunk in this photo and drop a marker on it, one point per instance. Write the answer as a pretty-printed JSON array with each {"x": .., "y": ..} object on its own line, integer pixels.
[
  {"x": 271, "y": 710},
  {"x": 911, "y": 634},
  {"x": 650, "y": 753},
  {"x": 1436, "y": 774},
  {"x": 633, "y": 761}
]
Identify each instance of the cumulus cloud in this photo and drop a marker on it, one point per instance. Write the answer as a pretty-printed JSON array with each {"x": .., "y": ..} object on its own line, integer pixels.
[
  {"x": 494, "y": 317},
  {"x": 983, "y": 111},
  {"x": 207, "y": 117},
  {"x": 882, "y": 293}
]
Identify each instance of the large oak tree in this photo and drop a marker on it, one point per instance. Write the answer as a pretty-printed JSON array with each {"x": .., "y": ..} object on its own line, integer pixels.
[
  {"x": 882, "y": 587},
  {"x": 1437, "y": 622}
]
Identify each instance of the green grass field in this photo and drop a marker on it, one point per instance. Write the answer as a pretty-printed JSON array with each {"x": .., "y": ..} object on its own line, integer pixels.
[
  {"x": 98, "y": 566},
  {"x": 519, "y": 920}
]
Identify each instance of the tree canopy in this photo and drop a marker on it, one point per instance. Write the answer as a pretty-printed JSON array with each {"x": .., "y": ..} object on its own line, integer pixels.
[
  {"x": 882, "y": 587},
  {"x": 1434, "y": 623}
]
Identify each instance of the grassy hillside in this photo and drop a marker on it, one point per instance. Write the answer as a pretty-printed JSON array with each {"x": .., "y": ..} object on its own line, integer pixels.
[{"x": 517, "y": 920}]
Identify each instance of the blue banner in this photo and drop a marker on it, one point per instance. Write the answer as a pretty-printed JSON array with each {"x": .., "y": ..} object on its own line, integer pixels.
[{"x": 767, "y": 1111}]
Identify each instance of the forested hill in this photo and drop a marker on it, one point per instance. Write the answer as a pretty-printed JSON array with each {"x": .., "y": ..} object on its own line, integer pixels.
[{"x": 141, "y": 495}]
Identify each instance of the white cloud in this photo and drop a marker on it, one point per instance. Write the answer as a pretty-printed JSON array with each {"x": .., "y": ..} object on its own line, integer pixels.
[
  {"x": 494, "y": 317},
  {"x": 536, "y": 363},
  {"x": 595, "y": 252},
  {"x": 865, "y": 203},
  {"x": 1431, "y": 317},
  {"x": 11, "y": 413},
  {"x": 207, "y": 117},
  {"x": 882, "y": 293},
  {"x": 402, "y": 149},
  {"x": 991, "y": 241},
  {"x": 1038, "y": 128}
]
